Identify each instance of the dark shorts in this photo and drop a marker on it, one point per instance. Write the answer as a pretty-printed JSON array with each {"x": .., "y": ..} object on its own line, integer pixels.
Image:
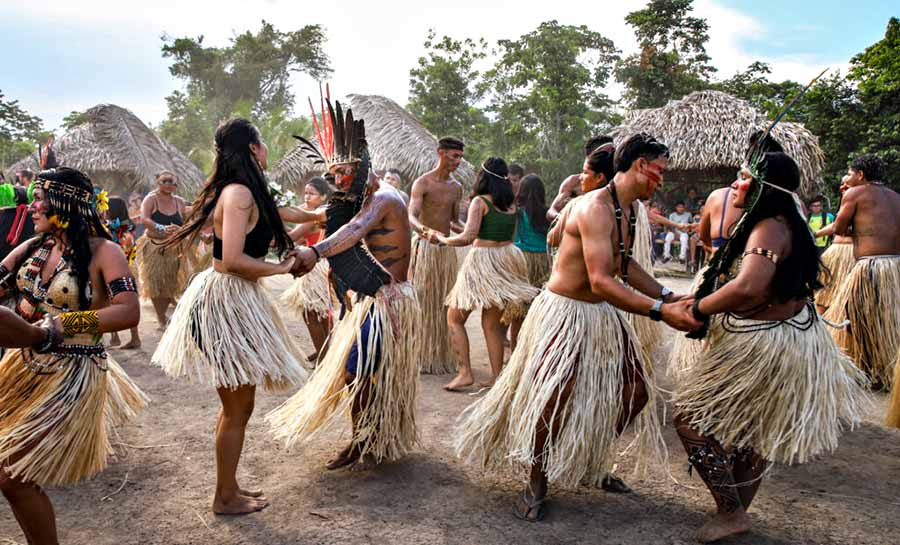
[{"x": 361, "y": 348}]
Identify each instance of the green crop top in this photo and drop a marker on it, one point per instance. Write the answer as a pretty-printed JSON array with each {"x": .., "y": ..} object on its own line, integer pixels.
[{"x": 496, "y": 225}]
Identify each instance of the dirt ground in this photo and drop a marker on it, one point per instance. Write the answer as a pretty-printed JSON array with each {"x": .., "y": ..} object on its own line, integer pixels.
[{"x": 159, "y": 487}]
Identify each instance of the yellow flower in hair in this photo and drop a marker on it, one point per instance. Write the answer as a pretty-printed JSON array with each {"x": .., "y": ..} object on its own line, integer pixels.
[
  {"x": 102, "y": 200},
  {"x": 56, "y": 222}
]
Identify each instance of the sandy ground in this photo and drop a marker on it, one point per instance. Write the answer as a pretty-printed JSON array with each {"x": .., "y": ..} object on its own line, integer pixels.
[{"x": 162, "y": 479}]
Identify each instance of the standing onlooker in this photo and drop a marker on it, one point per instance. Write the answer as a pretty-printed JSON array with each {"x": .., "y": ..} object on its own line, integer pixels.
[
  {"x": 393, "y": 177},
  {"x": 531, "y": 238},
  {"x": 682, "y": 216},
  {"x": 818, "y": 220},
  {"x": 516, "y": 173}
]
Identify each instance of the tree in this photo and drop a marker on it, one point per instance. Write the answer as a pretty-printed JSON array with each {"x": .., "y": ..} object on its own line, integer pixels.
[
  {"x": 876, "y": 72},
  {"x": 444, "y": 90},
  {"x": 546, "y": 93},
  {"x": 19, "y": 131},
  {"x": 672, "y": 61},
  {"x": 250, "y": 76}
]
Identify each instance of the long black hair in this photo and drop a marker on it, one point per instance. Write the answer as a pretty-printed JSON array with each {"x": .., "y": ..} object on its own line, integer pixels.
[
  {"x": 796, "y": 277},
  {"x": 235, "y": 163},
  {"x": 532, "y": 200},
  {"x": 77, "y": 213},
  {"x": 118, "y": 209},
  {"x": 493, "y": 180}
]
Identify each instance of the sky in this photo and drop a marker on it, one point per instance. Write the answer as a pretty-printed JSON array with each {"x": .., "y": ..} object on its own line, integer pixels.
[{"x": 57, "y": 56}]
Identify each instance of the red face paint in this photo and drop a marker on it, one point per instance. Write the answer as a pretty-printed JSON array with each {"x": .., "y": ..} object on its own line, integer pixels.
[
  {"x": 654, "y": 173},
  {"x": 744, "y": 185}
]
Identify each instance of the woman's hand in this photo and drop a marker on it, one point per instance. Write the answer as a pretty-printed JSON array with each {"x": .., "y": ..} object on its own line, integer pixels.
[{"x": 287, "y": 264}]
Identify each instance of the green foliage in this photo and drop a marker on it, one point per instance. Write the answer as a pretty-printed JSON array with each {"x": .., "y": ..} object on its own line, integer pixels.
[
  {"x": 546, "y": 92},
  {"x": 74, "y": 119},
  {"x": 876, "y": 72},
  {"x": 443, "y": 89},
  {"x": 537, "y": 105},
  {"x": 249, "y": 77},
  {"x": 672, "y": 61},
  {"x": 19, "y": 131}
]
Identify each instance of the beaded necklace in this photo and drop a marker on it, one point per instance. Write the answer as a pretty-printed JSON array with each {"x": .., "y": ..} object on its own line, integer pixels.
[{"x": 632, "y": 228}]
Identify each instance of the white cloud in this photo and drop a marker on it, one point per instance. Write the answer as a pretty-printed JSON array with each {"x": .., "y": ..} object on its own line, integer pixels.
[{"x": 372, "y": 45}]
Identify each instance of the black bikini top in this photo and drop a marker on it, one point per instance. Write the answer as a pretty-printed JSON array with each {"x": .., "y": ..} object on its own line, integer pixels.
[{"x": 256, "y": 243}]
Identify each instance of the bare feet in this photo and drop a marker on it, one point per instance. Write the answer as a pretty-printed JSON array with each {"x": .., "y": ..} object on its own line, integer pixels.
[
  {"x": 487, "y": 383},
  {"x": 366, "y": 463},
  {"x": 346, "y": 457},
  {"x": 132, "y": 344},
  {"x": 239, "y": 505},
  {"x": 460, "y": 382},
  {"x": 114, "y": 339},
  {"x": 722, "y": 525}
]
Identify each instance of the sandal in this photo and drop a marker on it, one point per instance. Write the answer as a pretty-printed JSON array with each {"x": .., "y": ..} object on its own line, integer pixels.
[
  {"x": 536, "y": 504},
  {"x": 614, "y": 485}
]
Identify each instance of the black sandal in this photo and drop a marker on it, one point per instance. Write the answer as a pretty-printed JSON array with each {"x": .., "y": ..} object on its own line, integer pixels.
[{"x": 614, "y": 485}]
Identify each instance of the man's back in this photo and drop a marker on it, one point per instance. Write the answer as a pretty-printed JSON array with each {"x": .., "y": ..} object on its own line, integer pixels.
[
  {"x": 389, "y": 239},
  {"x": 876, "y": 220}
]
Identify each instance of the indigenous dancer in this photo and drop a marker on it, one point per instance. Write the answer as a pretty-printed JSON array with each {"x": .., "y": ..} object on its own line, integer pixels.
[
  {"x": 59, "y": 403},
  {"x": 311, "y": 295},
  {"x": 837, "y": 262},
  {"x": 494, "y": 275},
  {"x": 870, "y": 295},
  {"x": 749, "y": 399},
  {"x": 573, "y": 185},
  {"x": 225, "y": 331},
  {"x": 161, "y": 272},
  {"x": 433, "y": 210},
  {"x": 531, "y": 238},
  {"x": 596, "y": 172},
  {"x": 369, "y": 369},
  {"x": 577, "y": 377},
  {"x": 121, "y": 229},
  {"x": 719, "y": 216}
]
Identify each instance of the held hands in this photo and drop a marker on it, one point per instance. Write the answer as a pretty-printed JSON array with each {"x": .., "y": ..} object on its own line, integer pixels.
[
  {"x": 54, "y": 329},
  {"x": 305, "y": 261},
  {"x": 679, "y": 315}
]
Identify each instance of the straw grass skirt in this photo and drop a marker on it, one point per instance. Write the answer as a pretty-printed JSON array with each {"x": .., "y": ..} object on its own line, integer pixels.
[
  {"x": 492, "y": 277},
  {"x": 161, "y": 274},
  {"x": 838, "y": 258},
  {"x": 649, "y": 333},
  {"x": 785, "y": 391},
  {"x": 432, "y": 271},
  {"x": 893, "y": 414},
  {"x": 225, "y": 333},
  {"x": 562, "y": 340},
  {"x": 311, "y": 293},
  {"x": 386, "y": 428},
  {"x": 870, "y": 299},
  {"x": 539, "y": 267},
  {"x": 685, "y": 351},
  {"x": 56, "y": 427}
]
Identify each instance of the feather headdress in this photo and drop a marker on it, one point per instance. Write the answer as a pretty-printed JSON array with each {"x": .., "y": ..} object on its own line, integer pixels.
[{"x": 341, "y": 139}]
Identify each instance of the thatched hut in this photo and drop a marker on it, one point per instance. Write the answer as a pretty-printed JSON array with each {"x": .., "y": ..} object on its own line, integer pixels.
[
  {"x": 120, "y": 153},
  {"x": 707, "y": 133},
  {"x": 396, "y": 140}
]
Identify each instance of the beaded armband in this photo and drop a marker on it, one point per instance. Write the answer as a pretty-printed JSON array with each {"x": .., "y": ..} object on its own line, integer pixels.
[
  {"x": 75, "y": 323},
  {"x": 119, "y": 285},
  {"x": 768, "y": 254}
]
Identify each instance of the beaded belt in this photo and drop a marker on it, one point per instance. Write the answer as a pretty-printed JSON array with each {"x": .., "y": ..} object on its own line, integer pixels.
[{"x": 60, "y": 357}]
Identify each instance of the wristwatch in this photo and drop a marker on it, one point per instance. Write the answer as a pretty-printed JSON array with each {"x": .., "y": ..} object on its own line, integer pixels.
[
  {"x": 665, "y": 293},
  {"x": 655, "y": 313}
]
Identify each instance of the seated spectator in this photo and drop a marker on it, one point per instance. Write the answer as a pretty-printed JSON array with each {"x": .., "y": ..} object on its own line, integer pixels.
[{"x": 680, "y": 216}]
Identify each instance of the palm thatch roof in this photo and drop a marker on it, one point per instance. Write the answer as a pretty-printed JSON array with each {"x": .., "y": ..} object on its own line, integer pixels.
[
  {"x": 120, "y": 153},
  {"x": 396, "y": 140},
  {"x": 709, "y": 130}
]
